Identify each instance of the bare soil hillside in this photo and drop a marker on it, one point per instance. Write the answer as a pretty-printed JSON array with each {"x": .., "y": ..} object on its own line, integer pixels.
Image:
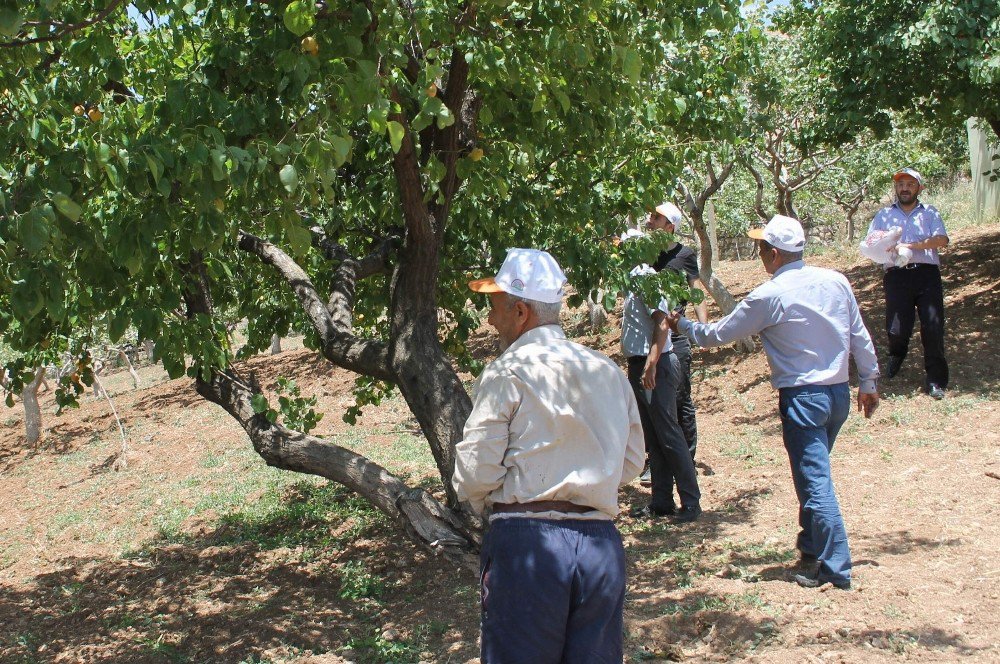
[{"x": 197, "y": 552}]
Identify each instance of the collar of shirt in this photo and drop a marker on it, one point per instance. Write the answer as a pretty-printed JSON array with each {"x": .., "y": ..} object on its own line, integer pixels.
[
  {"x": 539, "y": 334},
  {"x": 794, "y": 265},
  {"x": 919, "y": 206}
]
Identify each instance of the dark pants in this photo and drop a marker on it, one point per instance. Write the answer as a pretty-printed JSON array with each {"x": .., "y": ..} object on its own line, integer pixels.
[
  {"x": 552, "y": 592},
  {"x": 917, "y": 289},
  {"x": 685, "y": 404},
  {"x": 669, "y": 458},
  {"x": 811, "y": 417}
]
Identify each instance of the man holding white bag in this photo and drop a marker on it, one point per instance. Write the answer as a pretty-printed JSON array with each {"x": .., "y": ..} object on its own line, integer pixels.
[{"x": 915, "y": 286}]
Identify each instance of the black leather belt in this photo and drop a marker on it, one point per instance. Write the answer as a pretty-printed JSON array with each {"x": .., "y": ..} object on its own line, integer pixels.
[
  {"x": 541, "y": 506},
  {"x": 911, "y": 266}
]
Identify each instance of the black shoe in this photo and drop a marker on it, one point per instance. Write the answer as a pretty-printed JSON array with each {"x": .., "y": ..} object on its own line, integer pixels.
[
  {"x": 646, "y": 478},
  {"x": 650, "y": 512},
  {"x": 687, "y": 514},
  {"x": 935, "y": 391},
  {"x": 807, "y": 581},
  {"x": 895, "y": 362}
]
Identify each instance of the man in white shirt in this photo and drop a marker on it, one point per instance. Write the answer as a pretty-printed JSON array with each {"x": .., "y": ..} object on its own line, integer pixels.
[
  {"x": 915, "y": 286},
  {"x": 554, "y": 432},
  {"x": 810, "y": 324}
]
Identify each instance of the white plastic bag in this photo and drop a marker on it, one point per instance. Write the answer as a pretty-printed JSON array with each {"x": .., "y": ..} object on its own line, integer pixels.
[{"x": 880, "y": 246}]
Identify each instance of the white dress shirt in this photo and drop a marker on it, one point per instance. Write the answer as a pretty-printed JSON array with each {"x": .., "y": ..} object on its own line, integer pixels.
[
  {"x": 922, "y": 223},
  {"x": 809, "y": 321},
  {"x": 551, "y": 420}
]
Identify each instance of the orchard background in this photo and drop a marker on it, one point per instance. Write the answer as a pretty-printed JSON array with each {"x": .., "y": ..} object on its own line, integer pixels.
[{"x": 185, "y": 184}]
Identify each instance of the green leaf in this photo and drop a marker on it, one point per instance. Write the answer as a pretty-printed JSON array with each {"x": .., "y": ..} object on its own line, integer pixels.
[
  {"x": 299, "y": 17},
  {"x": 395, "y": 135},
  {"x": 118, "y": 325},
  {"x": 342, "y": 148},
  {"x": 299, "y": 238},
  {"x": 289, "y": 178},
  {"x": 259, "y": 403},
  {"x": 67, "y": 206},
  {"x": 10, "y": 21},
  {"x": 34, "y": 231},
  {"x": 632, "y": 65}
]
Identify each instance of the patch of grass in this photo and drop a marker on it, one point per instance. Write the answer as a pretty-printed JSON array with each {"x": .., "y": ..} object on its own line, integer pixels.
[
  {"x": 754, "y": 553},
  {"x": 747, "y": 446},
  {"x": 683, "y": 563},
  {"x": 958, "y": 405},
  {"x": 163, "y": 651},
  {"x": 373, "y": 648},
  {"x": 900, "y": 417},
  {"x": 64, "y": 520},
  {"x": 892, "y": 611},
  {"x": 211, "y": 460},
  {"x": 357, "y": 582},
  {"x": 303, "y": 515}
]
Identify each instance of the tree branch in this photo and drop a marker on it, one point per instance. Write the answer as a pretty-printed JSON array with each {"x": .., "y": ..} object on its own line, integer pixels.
[
  {"x": 104, "y": 13},
  {"x": 340, "y": 345}
]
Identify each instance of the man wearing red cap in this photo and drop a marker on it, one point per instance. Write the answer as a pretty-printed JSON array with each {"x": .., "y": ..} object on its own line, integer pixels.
[
  {"x": 554, "y": 432},
  {"x": 810, "y": 324},
  {"x": 916, "y": 285}
]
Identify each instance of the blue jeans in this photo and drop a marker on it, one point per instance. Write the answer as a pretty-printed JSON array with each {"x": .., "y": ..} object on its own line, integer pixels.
[
  {"x": 552, "y": 592},
  {"x": 811, "y": 416}
]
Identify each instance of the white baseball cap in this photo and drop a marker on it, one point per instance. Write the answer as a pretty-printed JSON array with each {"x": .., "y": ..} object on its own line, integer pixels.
[
  {"x": 529, "y": 273},
  {"x": 672, "y": 213},
  {"x": 781, "y": 232},
  {"x": 912, "y": 173}
]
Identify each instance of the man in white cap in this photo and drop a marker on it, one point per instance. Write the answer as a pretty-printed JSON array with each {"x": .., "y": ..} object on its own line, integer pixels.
[
  {"x": 554, "y": 432},
  {"x": 916, "y": 285},
  {"x": 681, "y": 259},
  {"x": 809, "y": 321}
]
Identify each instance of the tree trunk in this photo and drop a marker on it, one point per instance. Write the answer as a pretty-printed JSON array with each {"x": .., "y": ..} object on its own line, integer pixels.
[
  {"x": 32, "y": 411},
  {"x": 131, "y": 369},
  {"x": 720, "y": 294},
  {"x": 423, "y": 518},
  {"x": 713, "y": 234},
  {"x": 595, "y": 312},
  {"x": 275, "y": 344},
  {"x": 424, "y": 374},
  {"x": 150, "y": 347}
]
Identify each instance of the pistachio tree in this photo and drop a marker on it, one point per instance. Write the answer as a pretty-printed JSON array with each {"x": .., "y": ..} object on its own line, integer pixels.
[
  {"x": 338, "y": 167},
  {"x": 939, "y": 57}
]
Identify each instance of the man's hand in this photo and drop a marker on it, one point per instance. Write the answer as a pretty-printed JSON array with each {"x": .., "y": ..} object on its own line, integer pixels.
[
  {"x": 867, "y": 403},
  {"x": 672, "y": 319},
  {"x": 649, "y": 375}
]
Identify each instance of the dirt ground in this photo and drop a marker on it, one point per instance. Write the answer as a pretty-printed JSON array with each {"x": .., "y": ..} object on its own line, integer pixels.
[{"x": 197, "y": 552}]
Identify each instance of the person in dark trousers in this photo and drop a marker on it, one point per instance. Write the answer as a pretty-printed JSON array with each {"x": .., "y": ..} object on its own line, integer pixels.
[
  {"x": 553, "y": 434},
  {"x": 654, "y": 373},
  {"x": 810, "y": 324},
  {"x": 915, "y": 286},
  {"x": 681, "y": 259}
]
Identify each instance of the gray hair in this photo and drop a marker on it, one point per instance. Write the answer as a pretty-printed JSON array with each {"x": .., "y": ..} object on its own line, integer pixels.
[
  {"x": 786, "y": 256},
  {"x": 547, "y": 312}
]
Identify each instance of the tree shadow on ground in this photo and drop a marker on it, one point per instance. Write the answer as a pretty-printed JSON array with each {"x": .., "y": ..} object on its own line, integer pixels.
[{"x": 321, "y": 572}]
